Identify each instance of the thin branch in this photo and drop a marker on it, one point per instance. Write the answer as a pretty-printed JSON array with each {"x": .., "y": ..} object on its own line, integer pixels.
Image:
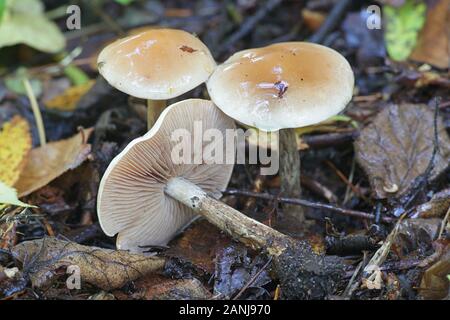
[
  {"x": 306, "y": 203},
  {"x": 36, "y": 111}
]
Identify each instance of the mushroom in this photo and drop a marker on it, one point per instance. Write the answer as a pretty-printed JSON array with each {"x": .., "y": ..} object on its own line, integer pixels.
[
  {"x": 156, "y": 65},
  {"x": 132, "y": 200},
  {"x": 281, "y": 87},
  {"x": 146, "y": 198}
]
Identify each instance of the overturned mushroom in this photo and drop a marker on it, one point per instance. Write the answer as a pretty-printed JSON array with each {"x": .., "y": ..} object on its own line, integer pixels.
[
  {"x": 132, "y": 200},
  {"x": 283, "y": 86},
  {"x": 156, "y": 65},
  {"x": 146, "y": 198}
]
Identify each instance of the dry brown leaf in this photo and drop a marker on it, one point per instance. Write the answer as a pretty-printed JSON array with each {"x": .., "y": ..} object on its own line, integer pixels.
[
  {"x": 184, "y": 289},
  {"x": 104, "y": 268},
  {"x": 52, "y": 160},
  {"x": 397, "y": 147},
  {"x": 15, "y": 144},
  {"x": 433, "y": 46}
]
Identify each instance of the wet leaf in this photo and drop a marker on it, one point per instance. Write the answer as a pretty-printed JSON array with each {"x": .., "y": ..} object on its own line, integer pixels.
[
  {"x": 52, "y": 160},
  {"x": 183, "y": 289},
  {"x": 25, "y": 22},
  {"x": 15, "y": 144},
  {"x": 8, "y": 196},
  {"x": 402, "y": 27},
  {"x": 104, "y": 268},
  {"x": 397, "y": 147},
  {"x": 435, "y": 281},
  {"x": 433, "y": 43},
  {"x": 68, "y": 100}
]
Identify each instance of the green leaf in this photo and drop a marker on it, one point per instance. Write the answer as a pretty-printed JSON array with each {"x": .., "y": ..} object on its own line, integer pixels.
[
  {"x": 402, "y": 28},
  {"x": 2, "y": 9},
  {"x": 76, "y": 75},
  {"x": 124, "y": 2},
  {"x": 26, "y": 23},
  {"x": 8, "y": 196},
  {"x": 14, "y": 83}
]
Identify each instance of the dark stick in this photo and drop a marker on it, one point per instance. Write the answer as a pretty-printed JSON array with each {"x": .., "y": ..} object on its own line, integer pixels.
[
  {"x": 248, "y": 25},
  {"x": 333, "y": 20},
  {"x": 306, "y": 203},
  {"x": 329, "y": 139}
]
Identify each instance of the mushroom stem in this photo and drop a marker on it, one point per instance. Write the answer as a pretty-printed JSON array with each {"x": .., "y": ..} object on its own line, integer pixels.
[
  {"x": 244, "y": 229},
  {"x": 290, "y": 178},
  {"x": 154, "y": 109},
  {"x": 303, "y": 274}
]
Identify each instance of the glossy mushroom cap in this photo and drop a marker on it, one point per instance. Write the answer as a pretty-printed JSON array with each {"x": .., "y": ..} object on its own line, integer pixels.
[
  {"x": 285, "y": 85},
  {"x": 131, "y": 199},
  {"x": 157, "y": 64}
]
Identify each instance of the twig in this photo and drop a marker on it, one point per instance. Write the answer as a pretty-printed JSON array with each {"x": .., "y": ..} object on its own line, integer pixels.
[
  {"x": 306, "y": 203},
  {"x": 252, "y": 279},
  {"x": 345, "y": 180},
  {"x": 444, "y": 223},
  {"x": 332, "y": 21},
  {"x": 248, "y": 25},
  {"x": 329, "y": 139},
  {"x": 36, "y": 112}
]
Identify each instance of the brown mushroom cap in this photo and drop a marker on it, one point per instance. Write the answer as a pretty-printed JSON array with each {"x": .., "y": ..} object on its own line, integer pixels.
[
  {"x": 157, "y": 64},
  {"x": 285, "y": 85},
  {"x": 131, "y": 198}
]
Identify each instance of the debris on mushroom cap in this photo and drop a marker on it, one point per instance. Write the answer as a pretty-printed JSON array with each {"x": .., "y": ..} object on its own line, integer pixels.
[
  {"x": 285, "y": 85},
  {"x": 131, "y": 198},
  {"x": 156, "y": 64}
]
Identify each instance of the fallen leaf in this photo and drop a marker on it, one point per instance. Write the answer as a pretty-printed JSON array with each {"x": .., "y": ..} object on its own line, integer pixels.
[
  {"x": 104, "y": 268},
  {"x": 15, "y": 144},
  {"x": 199, "y": 245},
  {"x": 183, "y": 289},
  {"x": 435, "y": 282},
  {"x": 402, "y": 27},
  {"x": 397, "y": 147},
  {"x": 68, "y": 100},
  {"x": 52, "y": 160},
  {"x": 8, "y": 196},
  {"x": 25, "y": 22},
  {"x": 433, "y": 43},
  {"x": 235, "y": 268},
  {"x": 436, "y": 207},
  {"x": 313, "y": 19}
]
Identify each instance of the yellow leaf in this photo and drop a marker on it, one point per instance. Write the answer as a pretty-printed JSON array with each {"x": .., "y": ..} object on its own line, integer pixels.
[
  {"x": 52, "y": 160},
  {"x": 8, "y": 196},
  {"x": 15, "y": 144},
  {"x": 68, "y": 100}
]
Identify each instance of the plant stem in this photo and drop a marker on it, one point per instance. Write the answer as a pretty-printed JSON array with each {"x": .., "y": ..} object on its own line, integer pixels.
[
  {"x": 36, "y": 111},
  {"x": 154, "y": 109}
]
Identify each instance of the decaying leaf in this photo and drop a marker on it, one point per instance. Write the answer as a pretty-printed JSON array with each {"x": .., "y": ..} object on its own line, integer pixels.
[
  {"x": 397, "y": 147},
  {"x": 402, "y": 27},
  {"x": 15, "y": 144},
  {"x": 435, "y": 283},
  {"x": 183, "y": 289},
  {"x": 436, "y": 207},
  {"x": 52, "y": 160},
  {"x": 104, "y": 268},
  {"x": 434, "y": 39},
  {"x": 68, "y": 100},
  {"x": 8, "y": 196}
]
